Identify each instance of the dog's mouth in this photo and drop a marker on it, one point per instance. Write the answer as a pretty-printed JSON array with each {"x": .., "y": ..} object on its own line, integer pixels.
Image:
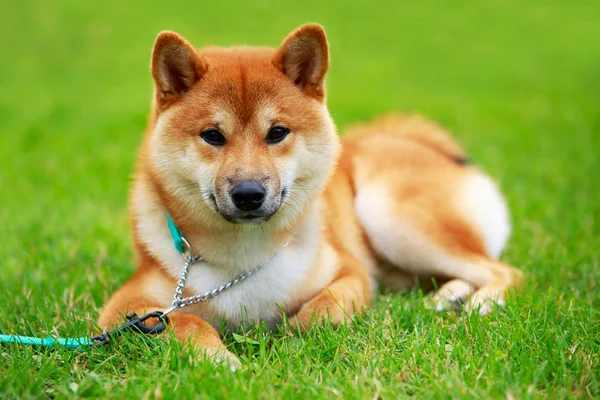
[
  {"x": 241, "y": 217},
  {"x": 249, "y": 219}
]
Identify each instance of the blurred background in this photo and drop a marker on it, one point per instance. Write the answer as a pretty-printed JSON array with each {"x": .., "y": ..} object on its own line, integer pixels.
[{"x": 516, "y": 81}]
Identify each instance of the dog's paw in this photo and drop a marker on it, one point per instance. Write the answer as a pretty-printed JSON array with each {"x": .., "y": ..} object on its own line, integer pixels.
[
  {"x": 223, "y": 356},
  {"x": 484, "y": 302},
  {"x": 318, "y": 314},
  {"x": 305, "y": 320},
  {"x": 451, "y": 295}
]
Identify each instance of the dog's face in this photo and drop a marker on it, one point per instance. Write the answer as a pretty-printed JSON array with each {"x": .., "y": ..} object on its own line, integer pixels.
[{"x": 242, "y": 134}]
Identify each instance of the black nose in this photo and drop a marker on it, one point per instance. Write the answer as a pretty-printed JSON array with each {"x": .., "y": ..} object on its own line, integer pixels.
[{"x": 248, "y": 195}]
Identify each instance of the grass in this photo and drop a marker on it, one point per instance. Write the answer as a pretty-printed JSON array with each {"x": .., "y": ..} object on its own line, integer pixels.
[{"x": 519, "y": 84}]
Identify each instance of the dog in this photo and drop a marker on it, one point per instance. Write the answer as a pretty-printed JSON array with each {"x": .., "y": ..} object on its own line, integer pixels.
[{"x": 242, "y": 154}]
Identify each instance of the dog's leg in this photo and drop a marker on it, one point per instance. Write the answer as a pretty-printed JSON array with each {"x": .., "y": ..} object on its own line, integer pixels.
[
  {"x": 485, "y": 280},
  {"x": 348, "y": 294},
  {"x": 428, "y": 237},
  {"x": 137, "y": 296},
  {"x": 494, "y": 290},
  {"x": 480, "y": 298}
]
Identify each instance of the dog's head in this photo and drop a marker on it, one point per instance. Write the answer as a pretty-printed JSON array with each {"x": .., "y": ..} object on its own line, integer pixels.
[{"x": 242, "y": 134}]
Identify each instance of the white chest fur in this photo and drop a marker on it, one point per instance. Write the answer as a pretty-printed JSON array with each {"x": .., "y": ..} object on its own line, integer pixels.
[{"x": 261, "y": 296}]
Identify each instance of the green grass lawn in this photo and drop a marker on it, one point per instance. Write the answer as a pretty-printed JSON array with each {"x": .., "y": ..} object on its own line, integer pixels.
[{"x": 518, "y": 82}]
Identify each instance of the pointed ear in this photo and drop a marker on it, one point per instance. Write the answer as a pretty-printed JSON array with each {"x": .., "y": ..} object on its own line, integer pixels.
[
  {"x": 304, "y": 58},
  {"x": 176, "y": 66}
]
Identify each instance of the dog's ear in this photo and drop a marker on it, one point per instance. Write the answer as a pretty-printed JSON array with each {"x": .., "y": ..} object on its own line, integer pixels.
[
  {"x": 176, "y": 66},
  {"x": 304, "y": 58}
]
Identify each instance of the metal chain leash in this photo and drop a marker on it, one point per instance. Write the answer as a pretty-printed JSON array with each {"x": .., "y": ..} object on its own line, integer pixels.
[{"x": 179, "y": 301}]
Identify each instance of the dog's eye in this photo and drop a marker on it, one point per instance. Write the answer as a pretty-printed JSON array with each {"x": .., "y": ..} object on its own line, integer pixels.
[
  {"x": 277, "y": 134},
  {"x": 213, "y": 137}
]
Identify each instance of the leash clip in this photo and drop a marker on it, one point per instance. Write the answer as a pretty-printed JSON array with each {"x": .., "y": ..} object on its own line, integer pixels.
[{"x": 135, "y": 324}]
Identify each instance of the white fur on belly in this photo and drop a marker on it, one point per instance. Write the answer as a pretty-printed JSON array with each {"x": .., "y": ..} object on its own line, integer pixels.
[{"x": 483, "y": 205}]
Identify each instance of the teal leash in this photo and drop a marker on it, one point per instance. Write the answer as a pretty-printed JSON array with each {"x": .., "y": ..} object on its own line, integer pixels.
[
  {"x": 175, "y": 234},
  {"x": 69, "y": 343},
  {"x": 134, "y": 323}
]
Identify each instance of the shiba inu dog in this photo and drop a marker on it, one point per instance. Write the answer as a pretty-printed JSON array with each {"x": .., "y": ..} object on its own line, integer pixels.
[{"x": 241, "y": 152}]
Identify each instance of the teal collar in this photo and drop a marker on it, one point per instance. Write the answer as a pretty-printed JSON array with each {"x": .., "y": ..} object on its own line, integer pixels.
[{"x": 175, "y": 234}]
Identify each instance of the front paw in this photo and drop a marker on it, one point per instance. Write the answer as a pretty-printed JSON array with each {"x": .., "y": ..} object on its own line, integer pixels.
[
  {"x": 223, "y": 356},
  {"x": 319, "y": 311}
]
